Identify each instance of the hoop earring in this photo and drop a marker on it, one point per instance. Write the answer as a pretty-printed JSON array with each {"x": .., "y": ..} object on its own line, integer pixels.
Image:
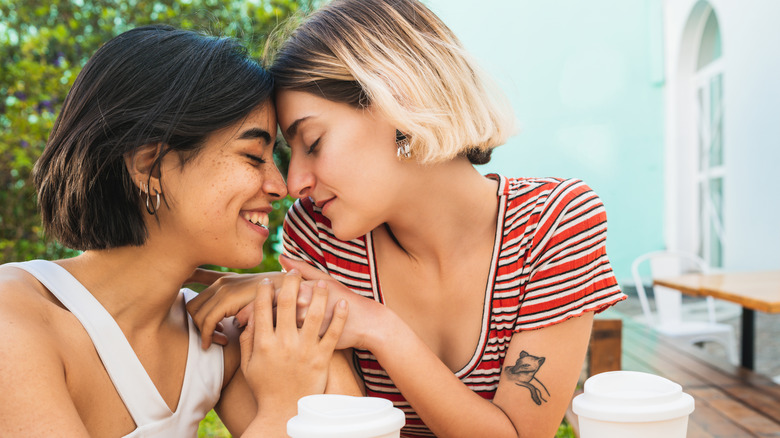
[
  {"x": 156, "y": 203},
  {"x": 403, "y": 148}
]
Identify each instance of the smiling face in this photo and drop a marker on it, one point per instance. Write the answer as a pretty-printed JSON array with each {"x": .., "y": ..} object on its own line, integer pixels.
[
  {"x": 219, "y": 201},
  {"x": 343, "y": 158}
]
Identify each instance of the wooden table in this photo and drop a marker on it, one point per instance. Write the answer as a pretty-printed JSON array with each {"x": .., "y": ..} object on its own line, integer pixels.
[{"x": 752, "y": 290}]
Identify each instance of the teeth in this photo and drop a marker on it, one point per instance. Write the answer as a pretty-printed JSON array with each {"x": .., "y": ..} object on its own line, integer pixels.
[{"x": 257, "y": 218}]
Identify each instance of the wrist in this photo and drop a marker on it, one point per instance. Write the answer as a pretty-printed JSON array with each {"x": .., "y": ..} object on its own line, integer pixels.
[{"x": 385, "y": 327}]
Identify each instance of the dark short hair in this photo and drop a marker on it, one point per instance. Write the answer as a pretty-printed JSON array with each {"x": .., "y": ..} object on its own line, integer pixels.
[{"x": 153, "y": 84}]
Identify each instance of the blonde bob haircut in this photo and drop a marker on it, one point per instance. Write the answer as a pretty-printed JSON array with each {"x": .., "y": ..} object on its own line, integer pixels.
[{"x": 397, "y": 57}]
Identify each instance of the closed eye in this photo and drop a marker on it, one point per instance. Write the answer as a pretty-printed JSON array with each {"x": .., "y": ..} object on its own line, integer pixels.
[
  {"x": 255, "y": 158},
  {"x": 313, "y": 147}
]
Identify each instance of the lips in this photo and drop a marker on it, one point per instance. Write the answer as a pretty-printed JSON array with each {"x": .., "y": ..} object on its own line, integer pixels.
[
  {"x": 322, "y": 204},
  {"x": 256, "y": 217}
]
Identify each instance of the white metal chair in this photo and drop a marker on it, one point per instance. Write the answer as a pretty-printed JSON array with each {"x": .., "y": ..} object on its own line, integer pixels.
[{"x": 669, "y": 319}]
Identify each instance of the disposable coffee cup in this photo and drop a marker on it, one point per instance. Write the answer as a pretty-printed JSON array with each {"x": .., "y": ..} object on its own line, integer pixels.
[
  {"x": 344, "y": 416},
  {"x": 619, "y": 404}
]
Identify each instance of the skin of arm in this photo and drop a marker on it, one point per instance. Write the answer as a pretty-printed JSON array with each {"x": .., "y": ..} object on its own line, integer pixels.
[
  {"x": 446, "y": 405},
  {"x": 35, "y": 399}
]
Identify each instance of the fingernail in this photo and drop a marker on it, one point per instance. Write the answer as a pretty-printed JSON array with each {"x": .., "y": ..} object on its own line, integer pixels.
[
  {"x": 266, "y": 281},
  {"x": 343, "y": 304},
  {"x": 294, "y": 272},
  {"x": 321, "y": 284}
]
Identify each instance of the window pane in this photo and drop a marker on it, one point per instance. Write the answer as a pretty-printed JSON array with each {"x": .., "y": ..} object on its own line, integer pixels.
[
  {"x": 716, "y": 121},
  {"x": 702, "y": 129},
  {"x": 710, "y": 48},
  {"x": 716, "y": 222},
  {"x": 702, "y": 220}
]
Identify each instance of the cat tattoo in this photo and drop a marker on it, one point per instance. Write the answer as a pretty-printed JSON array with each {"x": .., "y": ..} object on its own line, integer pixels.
[{"x": 523, "y": 373}]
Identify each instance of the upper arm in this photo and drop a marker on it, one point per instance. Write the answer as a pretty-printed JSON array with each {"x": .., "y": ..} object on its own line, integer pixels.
[
  {"x": 569, "y": 277},
  {"x": 540, "y": 373},
  {"x": 236, "y": 406},
  {"x": 342, "y": 378},
  {"x": 35, "y": 399}
]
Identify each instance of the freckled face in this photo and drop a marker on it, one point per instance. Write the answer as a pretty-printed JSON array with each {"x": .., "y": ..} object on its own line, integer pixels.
[
  {"x": 343, "y": 158},
  {"x": 220, "y": 199}
]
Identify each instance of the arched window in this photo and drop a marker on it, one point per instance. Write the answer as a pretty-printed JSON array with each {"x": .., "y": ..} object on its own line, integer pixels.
[{"x": 708, "y": 86}]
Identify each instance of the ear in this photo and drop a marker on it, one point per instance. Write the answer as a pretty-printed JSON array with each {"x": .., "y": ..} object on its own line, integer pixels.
[{"x": 140, "y": 165}]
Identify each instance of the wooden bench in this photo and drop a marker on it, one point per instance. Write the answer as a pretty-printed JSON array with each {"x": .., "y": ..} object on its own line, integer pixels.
[{"x": 731, "y": 401}]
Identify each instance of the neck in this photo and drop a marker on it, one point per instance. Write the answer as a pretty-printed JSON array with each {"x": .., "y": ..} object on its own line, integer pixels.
[
  {"x": 452, "y": 207},
  {"x": 137, "y": 285}
]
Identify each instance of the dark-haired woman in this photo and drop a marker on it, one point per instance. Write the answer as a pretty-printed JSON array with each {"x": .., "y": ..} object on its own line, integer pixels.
[{"x": 160, "y": 161}]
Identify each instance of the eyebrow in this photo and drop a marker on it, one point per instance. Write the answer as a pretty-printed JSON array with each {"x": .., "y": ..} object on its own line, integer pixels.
[
  {"x": 293, "y": 129},
  {"x": 256, "y": 133}
]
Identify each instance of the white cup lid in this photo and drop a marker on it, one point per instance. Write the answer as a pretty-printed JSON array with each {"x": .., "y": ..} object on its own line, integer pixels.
[
  {"x": 631, "y": 396},
  {"x": 343, "y": 416}
]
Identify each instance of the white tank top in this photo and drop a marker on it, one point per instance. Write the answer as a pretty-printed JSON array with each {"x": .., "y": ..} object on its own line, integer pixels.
[{"x": 202, "y": 377}]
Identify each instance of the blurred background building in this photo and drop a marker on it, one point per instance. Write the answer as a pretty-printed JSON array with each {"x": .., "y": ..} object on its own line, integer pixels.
[{"x": 667, "y": 109}]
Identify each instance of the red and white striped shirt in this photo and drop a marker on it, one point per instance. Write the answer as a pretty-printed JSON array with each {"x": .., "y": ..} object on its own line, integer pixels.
[{"x": 549, "y": 264}]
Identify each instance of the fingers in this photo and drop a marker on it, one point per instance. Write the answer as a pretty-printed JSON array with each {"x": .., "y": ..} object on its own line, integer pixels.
[
  {"x": 308, "y": 272},
  {"x": 304, "y": 300},
  {"x": 247, "y": 341},
  {"x": 243, "y": 316},
  {"x": 263, "y": 310},
  {"x": 219, "y": 339},
  {"x": 316, "y": 310},
  {"x": 286, "y": 302},
  {"x": 336, "y": 327}
]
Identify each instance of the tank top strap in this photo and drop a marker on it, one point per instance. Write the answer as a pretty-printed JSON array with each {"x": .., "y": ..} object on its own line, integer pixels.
[{"x": 135, "y": 387}]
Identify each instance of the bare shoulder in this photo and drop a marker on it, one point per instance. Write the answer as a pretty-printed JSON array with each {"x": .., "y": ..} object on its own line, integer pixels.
[
  {"x": 26, "y": 308},
  {"x": 32, "y": 367}
]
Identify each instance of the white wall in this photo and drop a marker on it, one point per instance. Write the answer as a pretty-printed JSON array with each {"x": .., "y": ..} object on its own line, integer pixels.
[
  {"x": 750, "y": 32},
  {"x": 585, "y": 81}
]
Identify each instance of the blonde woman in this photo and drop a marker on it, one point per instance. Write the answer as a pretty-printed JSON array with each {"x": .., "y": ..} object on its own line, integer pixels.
[{"x": 472, "y": 297}]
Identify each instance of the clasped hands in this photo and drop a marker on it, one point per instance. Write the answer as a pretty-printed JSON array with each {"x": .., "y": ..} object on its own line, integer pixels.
[{"x": 307, "y": 293}]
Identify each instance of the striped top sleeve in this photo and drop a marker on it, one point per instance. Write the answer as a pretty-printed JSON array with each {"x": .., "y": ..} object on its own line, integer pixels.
[{"x": 568, "y": 270}]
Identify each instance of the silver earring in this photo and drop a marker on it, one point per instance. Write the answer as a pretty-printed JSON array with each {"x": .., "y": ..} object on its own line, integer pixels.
[
  {"x": 403, "y": 148},
  {"x": 156, "y": 202}
]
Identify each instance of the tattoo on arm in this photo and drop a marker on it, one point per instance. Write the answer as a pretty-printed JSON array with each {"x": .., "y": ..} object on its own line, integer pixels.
[{"x": 523, "y": 373}]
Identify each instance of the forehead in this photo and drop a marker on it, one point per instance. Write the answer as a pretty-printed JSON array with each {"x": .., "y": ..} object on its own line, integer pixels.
[
  {"x": 262, "y": 117},
  {"x": 293, "y": 105}
]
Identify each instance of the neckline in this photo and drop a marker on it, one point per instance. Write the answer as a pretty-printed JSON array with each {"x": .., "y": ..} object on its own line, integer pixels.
[
  {"x": 479, "y": 349},
  {"x": 142, "y": 392}
]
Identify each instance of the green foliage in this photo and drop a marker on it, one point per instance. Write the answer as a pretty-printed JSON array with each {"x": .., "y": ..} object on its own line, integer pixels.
[
  {"x": 45, "y": 43},
  {"x": 565, "y": 430},
  {"x": 212, "y": 427}
]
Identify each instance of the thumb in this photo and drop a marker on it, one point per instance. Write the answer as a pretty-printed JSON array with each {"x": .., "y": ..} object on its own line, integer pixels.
[{"x": 308, "y": 272}]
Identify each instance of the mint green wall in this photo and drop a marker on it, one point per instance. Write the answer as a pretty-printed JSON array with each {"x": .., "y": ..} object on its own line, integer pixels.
[{"x": 584, "y": 79}]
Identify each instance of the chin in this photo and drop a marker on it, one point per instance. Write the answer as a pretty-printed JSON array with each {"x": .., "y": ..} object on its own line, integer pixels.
[
  {"x": 347, "y": 233},
  {"x": 245, "y": 263}
]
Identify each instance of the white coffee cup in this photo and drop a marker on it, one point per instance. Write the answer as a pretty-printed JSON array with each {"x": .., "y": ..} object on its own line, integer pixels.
[
  {"x": 632, "y": 404},
  {"x": 343, "y": 416}
]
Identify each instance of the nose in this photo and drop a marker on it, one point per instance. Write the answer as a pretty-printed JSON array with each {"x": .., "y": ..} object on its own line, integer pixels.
[
  {"x": 274, "y": 185},
  {"x": 300, "y": 178}
]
